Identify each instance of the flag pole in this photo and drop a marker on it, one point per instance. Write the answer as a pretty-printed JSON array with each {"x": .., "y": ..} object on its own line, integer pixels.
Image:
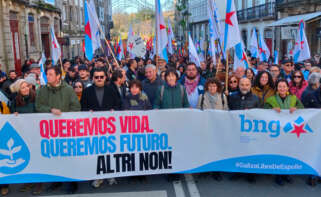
[
  {"x": 63, "y": 73},
  {"x": 226, "y": 70},
  {"x": 105, "y": 56},
  {"x": 156, "y": 34}
]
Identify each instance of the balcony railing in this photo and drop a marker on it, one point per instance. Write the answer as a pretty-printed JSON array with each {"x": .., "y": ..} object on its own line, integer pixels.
[
  {"x": 293, "y": 3},
  {"x": 264, "y": 11}
]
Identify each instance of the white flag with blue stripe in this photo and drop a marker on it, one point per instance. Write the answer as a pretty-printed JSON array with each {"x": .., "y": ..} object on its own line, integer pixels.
[{"x": 43, "y": 76}]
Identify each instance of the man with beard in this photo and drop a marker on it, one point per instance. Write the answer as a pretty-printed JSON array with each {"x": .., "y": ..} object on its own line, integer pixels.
[
  {"x": 244, "y": 99},
  {"x": 193, "y": 83},
  {"x": 12, "y": 77}
]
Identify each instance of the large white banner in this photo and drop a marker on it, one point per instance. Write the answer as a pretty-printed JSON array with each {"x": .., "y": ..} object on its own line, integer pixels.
[{"x": 86, "y": 146}]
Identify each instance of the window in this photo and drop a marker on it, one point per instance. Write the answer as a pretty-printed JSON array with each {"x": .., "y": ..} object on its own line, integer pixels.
[
  {"x": 101, "y": 14},
  {"x": 63, "y": 13},
  {"x": 239, "y": 5},
  {"x": 31, "y": 21},
  {"x": 70, "y": 13}
]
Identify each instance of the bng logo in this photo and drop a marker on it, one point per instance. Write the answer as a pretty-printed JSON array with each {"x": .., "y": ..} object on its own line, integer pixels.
[
  {"x": 273, "y": 127},
  {"x": 14, "y": 153}
]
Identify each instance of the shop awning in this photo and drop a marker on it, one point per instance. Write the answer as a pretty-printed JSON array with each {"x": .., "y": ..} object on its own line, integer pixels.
[{"x": 293, "y": 20}]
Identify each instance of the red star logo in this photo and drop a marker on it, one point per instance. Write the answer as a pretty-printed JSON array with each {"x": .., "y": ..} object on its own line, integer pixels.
[
  {"x": 161, "y": 26},
  {"x": 131, "y": 45},
  {"x": 298, "y": 130},
  {"x": 243, "y": 57},
  {"x": 54, "y": 44},
  {"x": 301, "y": 43},
  {"x": 261, "y": 50},
  {"x": 228, "y": 18},
  {"x": 88, "y": 30}
]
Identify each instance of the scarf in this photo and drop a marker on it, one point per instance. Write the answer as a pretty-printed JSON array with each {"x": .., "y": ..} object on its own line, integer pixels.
[
  {"x": 191, "y": 85},
  {"x": 212, "y": 99}
]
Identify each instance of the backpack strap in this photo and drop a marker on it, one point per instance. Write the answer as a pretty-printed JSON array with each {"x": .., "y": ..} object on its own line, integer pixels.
[
  {"x": 162, "y": 93},
  {"x": 1, "y": 107},
  {"x": 182, "y": 93},
  {"x": 202, "y": 102},
  {"x": 222, "y": 97}
]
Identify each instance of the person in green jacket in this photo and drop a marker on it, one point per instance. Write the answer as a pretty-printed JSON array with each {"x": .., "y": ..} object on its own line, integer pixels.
[
  {"x": 283, "y": 99},
  {"x": 172, "y": 94},
  {"x": 57, "y": 97}
]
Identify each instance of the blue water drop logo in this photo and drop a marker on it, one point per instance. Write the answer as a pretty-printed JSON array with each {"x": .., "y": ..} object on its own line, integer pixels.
[{"x": 14, "y": 153}]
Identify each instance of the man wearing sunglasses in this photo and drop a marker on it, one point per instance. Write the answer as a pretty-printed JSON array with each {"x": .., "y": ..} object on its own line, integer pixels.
[
  {"x": 287, "y": 69},
  {"x": 99, "y": 97}
]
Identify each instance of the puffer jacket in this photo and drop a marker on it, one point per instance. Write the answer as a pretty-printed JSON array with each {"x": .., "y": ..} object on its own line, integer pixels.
[
  {"x": 312, "y": 99},
  {"x": 137, "y": 102},
  {"x": 238, "y": 101},
  {"x": 263, "y": 94}
]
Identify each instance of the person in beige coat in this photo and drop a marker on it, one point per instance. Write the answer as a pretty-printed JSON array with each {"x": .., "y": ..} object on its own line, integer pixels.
[{"x": 213, "y": 98}]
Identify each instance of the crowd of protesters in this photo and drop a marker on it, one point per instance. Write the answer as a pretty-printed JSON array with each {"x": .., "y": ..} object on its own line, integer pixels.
[{"x": 104, "y": 84}]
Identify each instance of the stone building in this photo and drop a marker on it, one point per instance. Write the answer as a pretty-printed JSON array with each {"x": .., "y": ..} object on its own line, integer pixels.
[
  {"x": 256, "y": 14},
  {"x": 72, "y": 26},
  {"x": 24, "y": 32},
  {"x": 289, "y": 14}
]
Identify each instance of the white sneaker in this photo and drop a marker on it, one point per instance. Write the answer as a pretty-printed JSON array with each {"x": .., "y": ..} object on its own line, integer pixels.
[
  {"x": 112, "y": 181},
  {"x": 97, "y": 183}
]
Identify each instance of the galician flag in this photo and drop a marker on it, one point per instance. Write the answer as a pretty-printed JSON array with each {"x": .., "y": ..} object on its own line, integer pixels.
[
  {"x": 240, "y": 57},
  {"x": 254, "y": 45},
  {"x": 55, "y": 47},
  {"x": 193, "y": 57},
  {"x": 130, "y": 44},
  {"x": 301, "y": 50},
  {"x": 43, "y": 76},
  {"x": 170, "y": 38},
  {"x": 232, "y": 32},
  {"x": 161, "y": 32},
  {"x": 120, "y": 50},
  {"x": 92, "y": 34},
  {"x": 264, "y": 51},
  {"x": 276, "y": 57}
]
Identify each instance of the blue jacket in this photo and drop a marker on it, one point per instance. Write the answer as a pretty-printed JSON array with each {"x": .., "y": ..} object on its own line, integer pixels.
[{"x": 200, "y": 85}]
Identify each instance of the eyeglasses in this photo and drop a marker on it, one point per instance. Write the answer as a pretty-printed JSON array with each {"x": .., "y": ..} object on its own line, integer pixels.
[
  {"x": 233, "y": 81},
  {"x": 299, "y": 77},
  {"x": 99, "y": 77},
  {"x": 274, "y": 70}
]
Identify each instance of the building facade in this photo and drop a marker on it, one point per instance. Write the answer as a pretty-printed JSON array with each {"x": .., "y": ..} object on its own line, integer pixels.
[
  {"x": 104, "y": 13},
  {"x": 24, "y": 32},
  {"x": 72, "y": 26},
  {"x": 256, "y": 15},
  {"x": 198, "y": 19},
  {"x": 289, "y": 14}
]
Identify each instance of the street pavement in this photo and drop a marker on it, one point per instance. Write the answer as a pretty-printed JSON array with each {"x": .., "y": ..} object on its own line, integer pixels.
[{"x": 195, "y": 185}]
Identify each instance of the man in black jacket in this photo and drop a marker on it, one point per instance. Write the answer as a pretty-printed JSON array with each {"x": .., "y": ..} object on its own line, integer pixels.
[
  {"x": 117, "y": 84},
  {"x": 244, "y": 99},
  {"x": 99, "y": 97},
  {"x": 131, "y": 72}
]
